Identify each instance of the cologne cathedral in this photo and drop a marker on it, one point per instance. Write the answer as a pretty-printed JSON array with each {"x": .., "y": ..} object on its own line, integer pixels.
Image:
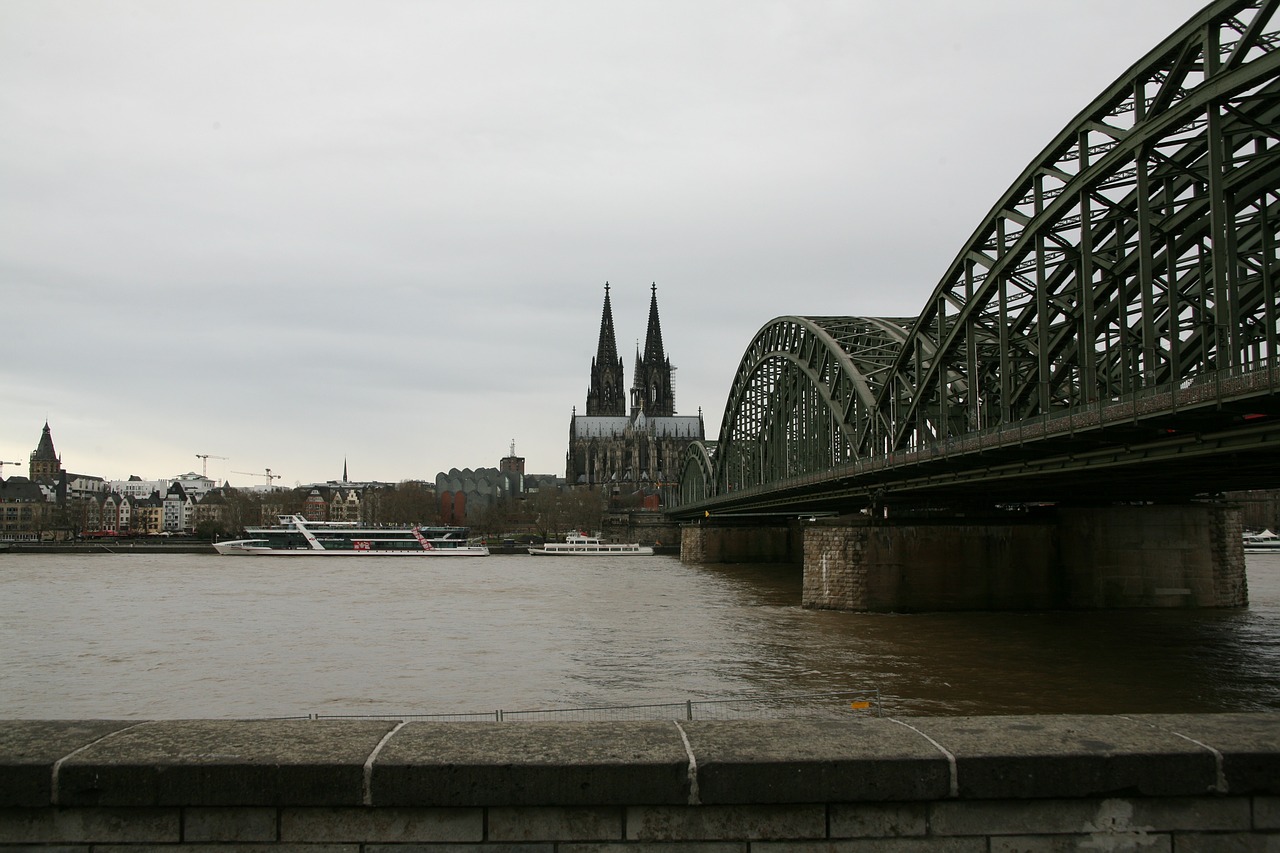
[{"x": 630, "y": 450}]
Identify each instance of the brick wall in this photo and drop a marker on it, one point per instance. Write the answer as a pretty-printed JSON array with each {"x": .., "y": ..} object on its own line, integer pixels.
[{"x": 1149, "y": 782}]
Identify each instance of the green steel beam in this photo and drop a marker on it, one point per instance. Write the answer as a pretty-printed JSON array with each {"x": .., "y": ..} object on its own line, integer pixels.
[{"x": 1134, "y": 257}]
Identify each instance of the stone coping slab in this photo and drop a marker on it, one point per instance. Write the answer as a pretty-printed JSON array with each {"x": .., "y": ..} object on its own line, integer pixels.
[
  {"x": 1073, "y": 756},
  {"x": 1247, "y": 745},
  {"x": 30, "y": 748},
  {"x": 812, "y": 761},
  {"x": 535, "y": 763},
  {"x": 381, "y": 763},
  {"x": 224, "y": 763}
]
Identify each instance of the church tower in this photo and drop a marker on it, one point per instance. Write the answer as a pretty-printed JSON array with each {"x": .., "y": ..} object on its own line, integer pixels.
[
  {"x": 45, "y": 464},
  {"x": 635, "y": 456},
  {"x": 606, "y": 396},
  {"x": 651, "y": 392}
]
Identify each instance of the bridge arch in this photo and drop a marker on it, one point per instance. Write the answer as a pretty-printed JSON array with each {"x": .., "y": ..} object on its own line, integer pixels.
[
  {"x": 697, "y": 472},
  {"x": 1138, "y": 248},
  {"x": 802, "y": 392},
  {"x": 1137, "y": 252}
]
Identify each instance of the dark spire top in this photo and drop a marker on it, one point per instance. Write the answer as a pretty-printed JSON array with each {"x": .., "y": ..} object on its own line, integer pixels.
[
  {"x": 44, "y": 450},
  {"x": 607, "y": 350},
  {"x": 605, "y": 395},
  {"x": 653, "y": 352},
  {"x": 652, "y": 392},
  {"x": 344, "y": 470},
  {"x": 45, "y": 463}
]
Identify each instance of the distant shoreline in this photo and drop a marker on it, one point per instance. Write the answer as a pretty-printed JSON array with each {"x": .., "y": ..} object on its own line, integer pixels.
[
  {"x": 106, "y": 548},
  {"x": 191, "y": 548}
]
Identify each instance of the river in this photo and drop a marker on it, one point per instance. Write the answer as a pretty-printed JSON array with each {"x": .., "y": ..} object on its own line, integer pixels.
[{"x": 187, "y": 636}]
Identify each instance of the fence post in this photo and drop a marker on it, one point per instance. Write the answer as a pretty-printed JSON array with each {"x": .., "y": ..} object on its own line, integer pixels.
[{"x": 688, "y": 709}]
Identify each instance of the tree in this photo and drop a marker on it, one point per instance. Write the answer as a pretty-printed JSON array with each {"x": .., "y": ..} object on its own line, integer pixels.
[
  {"x": 410, "y": 502},
  {"x": 546, "y": 513},
  {"x": 584, "y": 509},
  {"x": 493, "y": 519},
  {"x": 554, "y": 512},
  {"x": 241, "y": 509},
  {"x": 209, "y": 529}
]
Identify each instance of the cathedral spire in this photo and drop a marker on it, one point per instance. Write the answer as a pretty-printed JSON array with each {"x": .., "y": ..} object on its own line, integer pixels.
[
  {"x": 605, "y": 395},
  {"x": 652, "y": 392},
  {"x": 653, "y": 339},
  {"x": 607, "y": 349}
]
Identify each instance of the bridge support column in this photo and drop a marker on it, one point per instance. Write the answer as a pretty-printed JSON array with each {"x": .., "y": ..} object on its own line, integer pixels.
[
  {"x": 710, "y": 543},
  {"x": 1154, "y": 556},
  {"x": 1107, "y": 557}
]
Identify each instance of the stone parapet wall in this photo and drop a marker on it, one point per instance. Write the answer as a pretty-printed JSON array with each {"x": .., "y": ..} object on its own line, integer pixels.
[{"x": 1150, "y": 782}]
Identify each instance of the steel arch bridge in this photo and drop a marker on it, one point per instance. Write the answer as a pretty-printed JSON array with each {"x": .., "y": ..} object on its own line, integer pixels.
[{"x": 1114, "y": 315}]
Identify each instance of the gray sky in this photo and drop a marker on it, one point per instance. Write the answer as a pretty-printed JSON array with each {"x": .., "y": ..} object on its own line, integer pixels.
[{"x": 290, "y": 233}]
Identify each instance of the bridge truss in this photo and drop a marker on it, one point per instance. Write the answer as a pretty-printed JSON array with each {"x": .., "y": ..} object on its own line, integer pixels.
[{"x": 1128, "y": 276}]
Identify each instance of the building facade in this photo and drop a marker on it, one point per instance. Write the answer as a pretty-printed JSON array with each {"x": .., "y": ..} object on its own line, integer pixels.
[
  {"x": 637, "y": 450},
  {"x": 25, "y": 510}
]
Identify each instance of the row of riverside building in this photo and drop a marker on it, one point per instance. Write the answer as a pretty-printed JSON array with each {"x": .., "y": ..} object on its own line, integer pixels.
[
  {"x": 629, "y": 447},
  {"x": 53, "y": 503}
]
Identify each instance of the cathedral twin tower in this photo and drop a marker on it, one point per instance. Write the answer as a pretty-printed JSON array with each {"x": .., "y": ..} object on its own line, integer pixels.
[
  {"x": 637, "y": 448},
  {"x": 651, "y": 392}
]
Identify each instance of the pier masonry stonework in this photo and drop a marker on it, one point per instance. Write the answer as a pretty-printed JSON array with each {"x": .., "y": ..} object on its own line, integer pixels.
[
  {"x": 1082, "y": 558},
  {"x": 862, "y": 565},
  {"x": 740, "y": 543},
  {"x": 1038, "y": 783}
]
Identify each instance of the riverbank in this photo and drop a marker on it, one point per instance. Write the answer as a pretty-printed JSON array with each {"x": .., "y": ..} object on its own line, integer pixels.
[
  {"x": 126, "y": 547},
  {"x": 190, "y": 547}
]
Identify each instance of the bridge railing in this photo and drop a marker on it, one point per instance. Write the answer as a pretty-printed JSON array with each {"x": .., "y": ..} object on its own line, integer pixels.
[{"x": 1214, "y": 386}]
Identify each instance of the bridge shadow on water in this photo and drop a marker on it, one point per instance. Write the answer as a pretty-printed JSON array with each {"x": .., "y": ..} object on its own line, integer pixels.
[{"x": 1093, "y": 662}]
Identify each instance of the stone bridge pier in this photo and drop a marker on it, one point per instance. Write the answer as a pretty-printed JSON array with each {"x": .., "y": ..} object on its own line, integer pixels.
[
  {"x": 1078, "y": 558},
  {"x": 1073, "y": 558}
]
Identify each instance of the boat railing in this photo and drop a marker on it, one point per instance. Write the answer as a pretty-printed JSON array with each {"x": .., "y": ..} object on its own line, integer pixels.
[{"x": 840, "y": 704}]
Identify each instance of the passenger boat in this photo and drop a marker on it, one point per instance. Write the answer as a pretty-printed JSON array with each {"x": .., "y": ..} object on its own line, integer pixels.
[
  {"x": 294, "y": 536},
  {"x": 590, "y": 546},
  {"x": 1264, "y": 541}
]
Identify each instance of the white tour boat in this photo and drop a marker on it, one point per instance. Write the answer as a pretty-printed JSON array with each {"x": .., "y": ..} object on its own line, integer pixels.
[
  {"x": 1264, "y": 541},
  {"x": 297, "y": 537},
  {"x": 590, "y": 546}
]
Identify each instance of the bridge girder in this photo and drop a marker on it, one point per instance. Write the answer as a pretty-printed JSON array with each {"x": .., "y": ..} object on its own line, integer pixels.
[
  {"x": 802, "y": 393},
  {"x": 697, "y": 472},
  {"x": 1137, "y": 252}
]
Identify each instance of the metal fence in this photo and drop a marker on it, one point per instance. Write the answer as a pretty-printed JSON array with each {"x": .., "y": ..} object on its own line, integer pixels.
[{"x": 836, "y": 705}]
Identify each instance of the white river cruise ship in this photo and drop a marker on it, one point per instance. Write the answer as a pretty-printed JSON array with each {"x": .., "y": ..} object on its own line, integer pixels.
[{"x": 294, "y": 536}]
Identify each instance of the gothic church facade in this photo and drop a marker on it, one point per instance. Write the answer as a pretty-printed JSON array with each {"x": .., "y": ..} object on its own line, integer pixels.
[{"x": 628, "y": 443}]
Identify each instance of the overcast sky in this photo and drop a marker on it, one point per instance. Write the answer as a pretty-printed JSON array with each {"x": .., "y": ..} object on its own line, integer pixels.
[{"x": 293, "y": 233}]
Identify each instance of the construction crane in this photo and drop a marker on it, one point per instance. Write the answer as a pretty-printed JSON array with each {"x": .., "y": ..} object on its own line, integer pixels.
[
  {"x": 2, "y": 464},
  {"x": 264, "y": 473},
  {"x": 204, "y": 462}
]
